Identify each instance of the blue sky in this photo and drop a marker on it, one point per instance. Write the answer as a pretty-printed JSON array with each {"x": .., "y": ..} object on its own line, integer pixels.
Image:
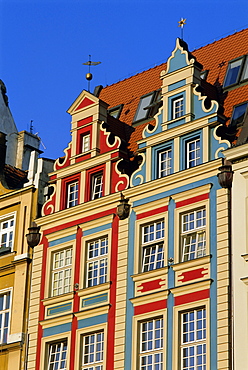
[{"x": 43, "y": 44}]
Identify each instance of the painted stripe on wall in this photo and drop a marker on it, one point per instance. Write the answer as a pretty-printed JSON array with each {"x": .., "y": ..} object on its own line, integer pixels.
[
  {"x": 95, "y": 320},
  {"x": 192, "y": 200},
  {"x": 97, "y": 229},
  {"x": 152, "y": 212},
  {"x": 58, "y": 329},
  {"x": 62, "y": 240},
  {"x": 192, "y": 297},
  {"x": 150, "y": 307}
]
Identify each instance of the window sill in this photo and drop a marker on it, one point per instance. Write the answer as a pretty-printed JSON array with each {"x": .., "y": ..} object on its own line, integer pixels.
[
  {"x": 150, "y": 274},
  {"x": 58, "y": 298},
  {"x": 192, "y": 263},
  {"x": 101, "y": 288}
]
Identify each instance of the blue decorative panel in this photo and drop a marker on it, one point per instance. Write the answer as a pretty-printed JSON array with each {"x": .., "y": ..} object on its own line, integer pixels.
[
  {"x": 97, "y": 229},
  {"x": 178, "y": 61},
  {"x": 142, "y": 145},
  {"x": 199, "y": 112},
  {"x": 62, "y": 240},
  {"x": 95, "y": 300},
  {"x": 59, "y": 329},
  {"x": 176, "y": 85},
  {"x": 216, "y": 145},
  {"x": 157, "y": 128},
  {"x": 139, "y": 176},
  {"x": 95, "y": 320},
  {"x": 59, "y": 309}
]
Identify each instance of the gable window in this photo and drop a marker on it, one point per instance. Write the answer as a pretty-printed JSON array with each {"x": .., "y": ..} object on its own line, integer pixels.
[
  {"x": 148, "y": 105},
  {"x": 57, "y": 353},
  {"x": 115, "y": 111},
  {"x": 61, "y": 272},
  {"x": 238, "y": 114},
  {"x": 151, "y": 344},
  {"x": 193, "y": 156},
  {"x": 7, "y": 225},
  {"x": 165, "y": 162},
  {"x": 153, "y": 246},
  {"x": 72, "y": 194},
  {"x": 193, "y": 234},
  {"x": 177, "y": 107},
  {"x": 193, "y": 339},
  {"x": 85, "y": 143},
  {"x": 237, "y": 71},
  {"x": 5, "y": 316},
  {"x": 93, "y": 345},
  {"x": 97, "y": 262},
  {"x": 97, "y": 186}
]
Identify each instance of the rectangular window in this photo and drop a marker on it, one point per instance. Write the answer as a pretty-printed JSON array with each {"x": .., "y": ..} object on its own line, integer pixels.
[
  {"x": 4, "y": 316},
  {"x": 57, "y": 353},
  {"x": 151, "y": 345},
  {"x": 238, "y": 115},
  {"x": 233, "y": 71},
  {"x": 92, "y": 358},
  {"x": 193, "y": 234},
  {"x": 244, "y": 75},
  {"x": 72, "y": 194},
  {"x": 164, "y": 163},
  {"x": 177, "y": 107},
  {"x": 97, "y": 186},
  {"x": 152, "y": 246},
  {"x": 7, "y": 226},
  {"x": 85, "y": 143},
  {"x": 97, "y": 262},
  {"x": 61, "y": 271},
  {"x": 193, "y": 340},
  {"x": 193, "y": 155}
]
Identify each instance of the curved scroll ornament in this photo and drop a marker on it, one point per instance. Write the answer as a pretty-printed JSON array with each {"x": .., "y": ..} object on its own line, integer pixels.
[
  {"x": 137, "y": 177},
  {"x": 117, "y": 141},
  {"x": 66, "y": 161},
  {"x": 124, "y": 182},
  {"x": 150, "y": 130},
  {"x": 49, "y": 206},
  {"x": 225, "y": 143},
  {"x": 214, "y": 104}
]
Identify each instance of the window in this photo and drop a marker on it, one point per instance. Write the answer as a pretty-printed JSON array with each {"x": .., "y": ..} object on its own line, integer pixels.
[
  {"x": 237, "y": 71},
  {"x": 165, "y": 163},
  {"x": 4, "y": 316},
  {"x": 115, "y": 111},
  {"x": 193, "y": 234},
  {"x": 85, "y": 143},
  {"x": 61, "y": 271},
  {"x": 7, "y": 233},
  {"x": 238, "y": 115},
  {"x": 57, "y": 356},
  {"x": 148, "y": 105},
  {"x": 92, "y": 358},
  {"x": 72, "y": 194},
  {"x": 151, "y": 345},
  {"x": 193, "y": 340},
  {"x": 97, "y": 262},
  {"x": 152, "y": 246},
  {"x": 97, "y": 186},
  {"x": 193, "y": 155},
  {"x": 177, "y": 107}
]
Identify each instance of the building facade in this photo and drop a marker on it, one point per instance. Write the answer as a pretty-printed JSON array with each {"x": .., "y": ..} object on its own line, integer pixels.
[{"x": 133, "y": 268}]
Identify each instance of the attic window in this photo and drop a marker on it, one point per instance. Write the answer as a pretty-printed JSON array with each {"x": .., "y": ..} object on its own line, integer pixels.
[
  {"x": 238, "y": 114},
  {"x": 148, "y": 105},
  {"x": 115, "y": 111},
  {"x": 237, "y": 71},
  {"x": 204, "y": 74}
]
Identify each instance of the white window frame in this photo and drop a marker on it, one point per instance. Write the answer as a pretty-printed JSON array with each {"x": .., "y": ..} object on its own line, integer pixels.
[
  {"x": 196, "y": 151},
  {"x": 5, "y": 311},
  {"x": 162, "y": 172},
  {"x": 61, "y": 271},
  {"x": 151, "y": 344},
  {"x": 93, "y": 351},
  {"x": 177, "y": 107},
  {"x": 9, "y": 231},
  {"x": 193, "y": 234},
  {"x": 97, "y": 261},
  {"x": 61, "y": 358},
  {"x": 86, "y": 143},
  {"x": 97, "y": 185},
  {"x": 152, "y": 242},
  {"x": 193, "y": 337},
  {"x": 72, "y": 194}
]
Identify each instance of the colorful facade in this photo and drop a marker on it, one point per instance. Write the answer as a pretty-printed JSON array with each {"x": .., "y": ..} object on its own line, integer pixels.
[{"x": 150, "y": 288}]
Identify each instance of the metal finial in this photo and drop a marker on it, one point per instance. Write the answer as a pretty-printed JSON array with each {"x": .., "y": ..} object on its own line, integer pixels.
[
  {"x": 89, "y": 75},
  {"x": 181, "y": 24},
  {"x": 31, "y": 126}
]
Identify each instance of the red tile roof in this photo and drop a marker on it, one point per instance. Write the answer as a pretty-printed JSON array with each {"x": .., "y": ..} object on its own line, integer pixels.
[{"x": 214, "y": 57}]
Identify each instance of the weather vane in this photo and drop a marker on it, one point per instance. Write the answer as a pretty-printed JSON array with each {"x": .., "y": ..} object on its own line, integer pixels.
[
  {"x": 89, "y": 75},
  {"x": 181, "y": 24}
]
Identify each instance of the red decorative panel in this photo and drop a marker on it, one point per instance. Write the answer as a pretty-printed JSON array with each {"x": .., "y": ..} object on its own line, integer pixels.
[
  {"x": 84, "y": 121},
  {"x": 192, "y": 275},
  {"x": 84, "y": 103},
  {"x": 53, "y": 177},
  {"x": 82, "y": 158},
  {"x": 65, "y": 160},
  {"x": 191, "y": 297},
  {"x": 49, "y": 206},
  {"x": 153, "y": 212},
  {"x": 192, "y": 200},
  {"x": 151, "y": 285},
  {"x": 119, "y": 182},
  {"x": 150, "y": 307}
]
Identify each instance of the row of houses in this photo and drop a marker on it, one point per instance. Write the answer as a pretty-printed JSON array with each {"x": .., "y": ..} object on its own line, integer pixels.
[{"x": 142, "y": 257}]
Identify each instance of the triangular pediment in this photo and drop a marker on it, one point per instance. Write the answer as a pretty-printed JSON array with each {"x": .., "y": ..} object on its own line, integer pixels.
[{"x": 84, "y": 100}]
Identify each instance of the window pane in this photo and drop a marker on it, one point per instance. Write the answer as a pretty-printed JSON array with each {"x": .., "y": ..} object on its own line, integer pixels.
[
  {"x": 238, "y": 114},
  {"x": 142, "y": 113},
  {"x": 232, "y": 73},
  {"x": 245, "y": 70}
]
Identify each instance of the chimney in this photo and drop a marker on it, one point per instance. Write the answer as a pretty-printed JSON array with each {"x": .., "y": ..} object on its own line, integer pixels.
[{"x": 2, "y": 151}]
